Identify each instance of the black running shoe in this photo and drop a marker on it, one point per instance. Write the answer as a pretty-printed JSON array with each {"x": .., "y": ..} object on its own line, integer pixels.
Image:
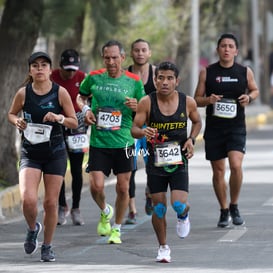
[
  {"x": 235, "y": 215},
  {"x": 31, "y": 242},
  {"x": 224, "y": 218},
  {"x": 149, "y": 206}
]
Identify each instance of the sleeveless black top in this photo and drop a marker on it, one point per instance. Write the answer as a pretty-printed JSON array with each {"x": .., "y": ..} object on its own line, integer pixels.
[
  {"x": 231, "y": 83},
  {"x": 149, "y": 87},
  {"x": 37, "y": 106},
  {"x": 170, "y": 128}
]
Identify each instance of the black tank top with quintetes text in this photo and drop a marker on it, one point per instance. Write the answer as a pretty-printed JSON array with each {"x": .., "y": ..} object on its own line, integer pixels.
[{"x": 169, "y": 128}]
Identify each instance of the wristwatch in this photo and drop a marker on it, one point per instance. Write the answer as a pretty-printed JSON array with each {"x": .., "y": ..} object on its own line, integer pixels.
[
  {"x": 61, "y": 120},
  {"x": 250, "y": 99},
  {"x": 192, "y": 139}
]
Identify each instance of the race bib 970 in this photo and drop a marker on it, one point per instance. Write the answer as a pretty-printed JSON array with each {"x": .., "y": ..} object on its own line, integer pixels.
[{"x": 78, "y": 143}]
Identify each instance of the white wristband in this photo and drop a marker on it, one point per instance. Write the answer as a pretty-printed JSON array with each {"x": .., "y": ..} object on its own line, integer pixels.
[
  {"x": 85, "y": 109},
  {"x": 61, "y": 121}
]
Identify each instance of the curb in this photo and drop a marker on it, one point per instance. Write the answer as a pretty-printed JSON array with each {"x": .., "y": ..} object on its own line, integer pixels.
[{"x": 10, "y": 202}]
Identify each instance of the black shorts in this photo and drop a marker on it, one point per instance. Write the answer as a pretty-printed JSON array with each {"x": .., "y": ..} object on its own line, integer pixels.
[
  {"x": 177, "y": 181},
  {"x": 218, "y": 142},
  {"x": 120, "y": 160},
  {"x": 56, "y": 164}
]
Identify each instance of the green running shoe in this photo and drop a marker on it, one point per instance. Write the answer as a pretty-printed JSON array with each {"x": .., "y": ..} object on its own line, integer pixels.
[
  {"x": 104, "y": 226},
  {"x": 114, "y": 237}
]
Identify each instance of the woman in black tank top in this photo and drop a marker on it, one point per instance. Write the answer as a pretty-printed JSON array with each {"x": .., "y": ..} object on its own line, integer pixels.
[{"x": 46, "y": 107}]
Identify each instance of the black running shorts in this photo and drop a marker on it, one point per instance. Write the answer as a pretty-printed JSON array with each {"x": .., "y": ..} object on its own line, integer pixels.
[
  {"x": 218, "y": 142},
  {"x": 120, "y": 160},
  {"x": 177, "y": 181}
]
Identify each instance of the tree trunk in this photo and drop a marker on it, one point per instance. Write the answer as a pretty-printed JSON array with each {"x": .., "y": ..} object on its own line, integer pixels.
[{"x": 18, "y": 31}]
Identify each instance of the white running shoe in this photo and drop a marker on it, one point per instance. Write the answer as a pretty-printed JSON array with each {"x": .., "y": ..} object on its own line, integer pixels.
[
  {"x": 183, "y": 227},
  {"x": 62, "y": 214},
  {"x": 76, "y": 217},
  {"x": 164, "y": 254}
]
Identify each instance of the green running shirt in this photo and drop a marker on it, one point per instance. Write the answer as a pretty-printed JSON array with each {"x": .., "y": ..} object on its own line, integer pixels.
[{"x": 110, "y": 93}]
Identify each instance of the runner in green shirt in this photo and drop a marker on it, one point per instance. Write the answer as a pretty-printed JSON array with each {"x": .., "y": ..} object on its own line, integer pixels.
[{"x": 115, "y": 94}]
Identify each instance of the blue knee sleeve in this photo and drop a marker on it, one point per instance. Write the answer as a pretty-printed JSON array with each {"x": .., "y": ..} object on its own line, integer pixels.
[
  {"x": 160, "y": 210},
  {"x": 179, "y": 207}
]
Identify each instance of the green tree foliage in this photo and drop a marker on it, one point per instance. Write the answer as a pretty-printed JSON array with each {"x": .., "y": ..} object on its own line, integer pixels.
[
  {"x": 154, "y": 21},
  {"x": 107, "y": 20},
  {"x": 60, "y": 16},
  {"x": 64, "y": 22},
  {"x": 62, "y": 25}
]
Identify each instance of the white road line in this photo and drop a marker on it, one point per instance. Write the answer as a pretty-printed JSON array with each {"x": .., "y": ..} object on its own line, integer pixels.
[
  {"x": 233, "y": 235},
  {"x": 268, "y": 203}
]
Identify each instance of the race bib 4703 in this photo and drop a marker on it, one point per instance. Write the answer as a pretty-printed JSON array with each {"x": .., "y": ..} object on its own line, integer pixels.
[{"x": 108, "y": 119}]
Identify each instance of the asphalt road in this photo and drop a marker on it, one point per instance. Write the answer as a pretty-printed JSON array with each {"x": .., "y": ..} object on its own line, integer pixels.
[{"x": 207, "y": 249}]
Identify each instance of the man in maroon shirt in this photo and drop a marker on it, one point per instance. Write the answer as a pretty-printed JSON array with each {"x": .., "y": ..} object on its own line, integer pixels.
[{"x": 69, "y": 76}]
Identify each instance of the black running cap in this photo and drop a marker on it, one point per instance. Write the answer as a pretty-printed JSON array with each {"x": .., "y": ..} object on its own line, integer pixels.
[{"x": 37, "y": 55}]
